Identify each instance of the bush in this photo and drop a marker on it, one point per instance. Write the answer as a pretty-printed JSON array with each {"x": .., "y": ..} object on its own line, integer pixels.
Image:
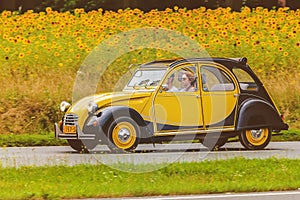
[
  {"x": 88, "y": 5},
  {"x": 69, "y": 5}
]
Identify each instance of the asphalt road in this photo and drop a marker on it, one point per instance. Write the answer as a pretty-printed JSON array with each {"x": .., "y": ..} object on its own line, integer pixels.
[
  {"x": 160, "y": 154},
  {"x": 291, "y": 195}
]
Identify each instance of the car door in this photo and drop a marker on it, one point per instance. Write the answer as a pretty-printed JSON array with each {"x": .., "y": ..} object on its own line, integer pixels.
[
  {"x": 177, "y": 106},
  {"x": 219, "y": 93}
]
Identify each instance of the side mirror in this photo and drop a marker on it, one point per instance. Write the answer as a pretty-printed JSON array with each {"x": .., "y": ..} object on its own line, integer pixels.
[{"x": 163, "y": 88}]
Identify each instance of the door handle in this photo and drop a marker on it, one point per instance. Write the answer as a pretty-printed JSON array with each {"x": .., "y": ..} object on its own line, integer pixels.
[
  {"x": 236, "y": 95},
  {"x": 197, "y": 96}
]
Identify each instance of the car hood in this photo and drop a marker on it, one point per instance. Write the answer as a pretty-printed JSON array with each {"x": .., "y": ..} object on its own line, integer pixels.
[{"x": 107, "y": 99}]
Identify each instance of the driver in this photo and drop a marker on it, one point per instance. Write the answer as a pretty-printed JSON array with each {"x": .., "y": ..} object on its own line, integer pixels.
[
  {"x": 186, "y": 82},
  {"x": 171, "y": 87}
]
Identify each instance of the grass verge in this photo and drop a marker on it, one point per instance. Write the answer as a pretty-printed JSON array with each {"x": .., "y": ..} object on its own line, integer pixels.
[
  {"x": 84, "y": 181},
  {"x": 47, "y": 139},
  {"x": 25, "y": 140},
  {"x": 288, "y": 135}
]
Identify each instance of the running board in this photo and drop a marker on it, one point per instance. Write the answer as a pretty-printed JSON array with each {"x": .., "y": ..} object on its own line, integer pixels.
[{"x": 172, "y": 133}]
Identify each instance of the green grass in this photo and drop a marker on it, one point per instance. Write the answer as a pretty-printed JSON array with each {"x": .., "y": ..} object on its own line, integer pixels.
[
  {"x": 84, "y": 181},
  {"x": 25, "y": 140},
  {"x": 288, "y": 135},
  {"x": 47, "y": 139}
]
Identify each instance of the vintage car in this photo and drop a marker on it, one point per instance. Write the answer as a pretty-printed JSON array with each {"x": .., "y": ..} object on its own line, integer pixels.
[{"x": 208, "y": 100}]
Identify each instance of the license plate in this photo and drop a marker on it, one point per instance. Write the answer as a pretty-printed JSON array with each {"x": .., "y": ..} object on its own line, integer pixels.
[{"x": 69, "y": 129}]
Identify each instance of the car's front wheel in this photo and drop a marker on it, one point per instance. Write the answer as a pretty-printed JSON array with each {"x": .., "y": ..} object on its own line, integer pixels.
[
  {"x": 255, "y": 139},
  {"x": 123, "y": 134}
]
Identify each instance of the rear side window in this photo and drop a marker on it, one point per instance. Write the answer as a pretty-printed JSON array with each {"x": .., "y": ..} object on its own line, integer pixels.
[
  {"x": 245, "y": 80},
  {"x": 214, "y": 79}
]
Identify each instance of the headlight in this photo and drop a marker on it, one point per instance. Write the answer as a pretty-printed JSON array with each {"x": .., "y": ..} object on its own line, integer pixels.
[
  {"x": 64, "y": 106},
  {"x": 92, "y": 107}
]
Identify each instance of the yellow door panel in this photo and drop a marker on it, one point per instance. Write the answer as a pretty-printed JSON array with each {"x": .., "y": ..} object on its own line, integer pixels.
[
  {"x": 178, "y": 104},
  {"x": 219, "y": 96},
  {"x": 217, "y": 107},
  {"x": 178, "y": 109}
]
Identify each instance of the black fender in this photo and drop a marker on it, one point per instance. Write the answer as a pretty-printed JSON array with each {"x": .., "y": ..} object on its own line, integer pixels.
[
  {"x": 113, "y": 112},
  {"x": 257, "y": 113},
  {"x": 106, "y": 116}
]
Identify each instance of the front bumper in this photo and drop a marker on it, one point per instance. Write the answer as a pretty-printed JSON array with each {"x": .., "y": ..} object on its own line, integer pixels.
[
  {"x": 74, "y": 136},
  {"x": 60, "y": 135}
]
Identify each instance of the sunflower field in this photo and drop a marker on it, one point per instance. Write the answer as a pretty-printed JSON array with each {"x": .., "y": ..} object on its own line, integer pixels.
[{"x": 40, "y": 54}]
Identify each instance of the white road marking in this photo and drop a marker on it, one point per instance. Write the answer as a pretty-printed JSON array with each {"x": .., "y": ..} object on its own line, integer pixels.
[{"x": 268, "y": 195}]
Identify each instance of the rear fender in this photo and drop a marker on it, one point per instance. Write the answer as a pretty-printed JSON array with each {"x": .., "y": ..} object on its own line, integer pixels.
[{"x": 256, "y": 113}]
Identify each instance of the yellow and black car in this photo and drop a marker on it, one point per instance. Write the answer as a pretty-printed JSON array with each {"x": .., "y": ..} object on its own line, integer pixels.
[{"x": 202, "y": 99}]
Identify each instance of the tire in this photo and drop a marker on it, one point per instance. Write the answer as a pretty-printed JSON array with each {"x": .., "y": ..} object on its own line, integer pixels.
[
  {"x": 214, "y": 141},
  {"x": 255, "y": 139},
  {"x": 82, "y": 146},
  {"x": 221, "y": 142},
  {"x": 123, "y": 135}
]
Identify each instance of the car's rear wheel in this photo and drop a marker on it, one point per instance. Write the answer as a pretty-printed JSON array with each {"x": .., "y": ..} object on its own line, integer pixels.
[
  {"x": 123, "y": 134},
  {"x": 82, "y": 145},
  {"x": 255, "y": 139}
]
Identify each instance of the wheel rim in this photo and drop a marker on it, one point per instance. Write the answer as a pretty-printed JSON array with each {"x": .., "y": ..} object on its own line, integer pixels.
[
  {"x": 124, "y": 135},
  {"x": 257, "y": 137}
]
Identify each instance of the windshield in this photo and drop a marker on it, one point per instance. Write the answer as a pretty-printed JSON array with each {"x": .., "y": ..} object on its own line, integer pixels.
[{"x": 145, "y": 78}]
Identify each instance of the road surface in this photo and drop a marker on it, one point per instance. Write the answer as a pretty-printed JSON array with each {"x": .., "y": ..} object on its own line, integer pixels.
[
  {"x": 64, "y": 155},
  {"x": 289, "y": 195},
  {"x": 167, "y": 153}
]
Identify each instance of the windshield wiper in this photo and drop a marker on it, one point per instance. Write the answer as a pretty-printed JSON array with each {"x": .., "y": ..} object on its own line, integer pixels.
[
  {"x": 144, "y": 82},
  {"x": 154, "y": 83}
]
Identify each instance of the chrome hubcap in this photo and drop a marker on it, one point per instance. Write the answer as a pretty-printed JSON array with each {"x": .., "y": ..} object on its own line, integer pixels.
[
  {"x": 256, "y": 133},
  {"x": 123, "y": 134}
]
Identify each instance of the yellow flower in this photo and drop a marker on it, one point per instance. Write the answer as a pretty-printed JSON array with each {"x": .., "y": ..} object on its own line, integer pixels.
[
  {"x": 21, "y": 55},
  {"x": 192, "y": 37},
  {"x": 48, "y": 10},
  {"x": 158, "y": 54},
  {"x": 238, "y": 43},
  {"x": 168, "y": 10},
  {"x": 5, "y": 14}
]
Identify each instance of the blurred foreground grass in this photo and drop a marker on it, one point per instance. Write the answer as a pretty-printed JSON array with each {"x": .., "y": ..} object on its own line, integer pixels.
[{"x": 87, "y": 181}]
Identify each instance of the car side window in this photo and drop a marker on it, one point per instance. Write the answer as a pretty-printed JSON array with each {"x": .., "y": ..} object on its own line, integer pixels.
[
  {"x": 246, "y": 82},
  {"x": 182, "y": 80},
  {"x": 215, "y": 79}
]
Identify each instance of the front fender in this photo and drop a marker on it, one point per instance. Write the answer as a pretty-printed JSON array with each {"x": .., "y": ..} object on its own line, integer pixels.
[
  {"x": 256, "y": 113},
  {"x": 99, "y": 123},
  {"x": 113, "y": 112}
]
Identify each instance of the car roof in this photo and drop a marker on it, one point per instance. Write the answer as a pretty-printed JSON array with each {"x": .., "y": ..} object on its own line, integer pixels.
[
  {"x": 159, "y": 63},
  {"x": 174, "y": 62}
]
